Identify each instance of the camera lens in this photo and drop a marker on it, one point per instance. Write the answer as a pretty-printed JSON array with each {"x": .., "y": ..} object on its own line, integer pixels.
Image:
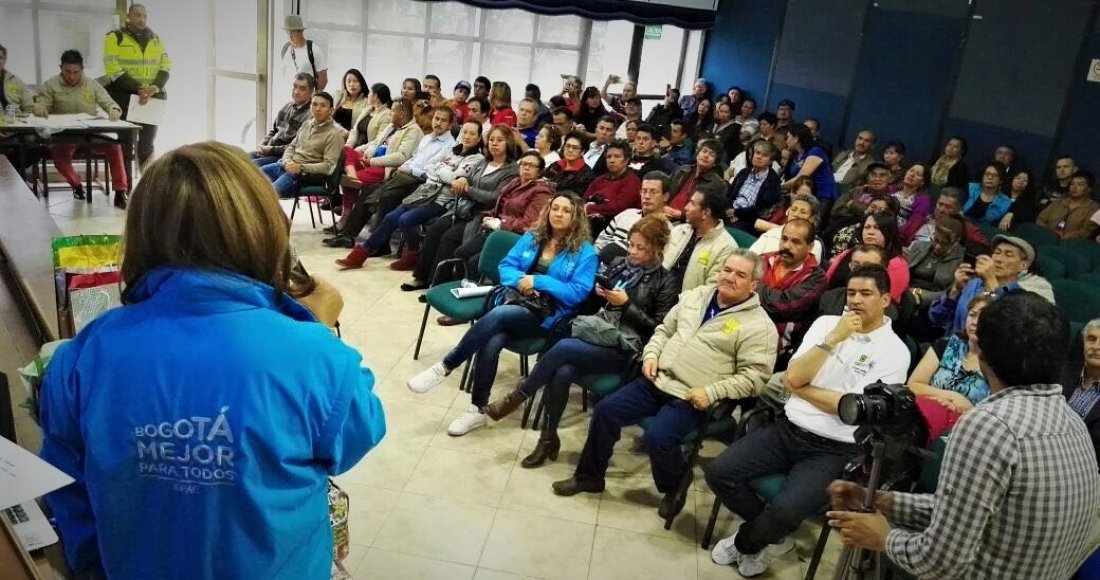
[{"x": 851, "y": 409}]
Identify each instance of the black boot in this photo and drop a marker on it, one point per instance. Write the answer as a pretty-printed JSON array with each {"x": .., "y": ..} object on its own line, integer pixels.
[
  {"x": 505, "y": 406},
  {"x": 120, "y": 199},
  {"x": 78, "y": 192},
  {"x": 547, "y": 448}
]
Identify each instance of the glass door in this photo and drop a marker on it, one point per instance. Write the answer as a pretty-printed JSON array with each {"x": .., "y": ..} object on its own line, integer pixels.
[{"x": 236, "y": 92}]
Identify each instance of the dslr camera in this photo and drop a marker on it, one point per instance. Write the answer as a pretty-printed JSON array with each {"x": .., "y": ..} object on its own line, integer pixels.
[{"x": 889, "y": 411}]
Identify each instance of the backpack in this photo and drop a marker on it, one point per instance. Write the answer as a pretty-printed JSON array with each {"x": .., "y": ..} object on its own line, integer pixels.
[{"x": 309, "y": 51}]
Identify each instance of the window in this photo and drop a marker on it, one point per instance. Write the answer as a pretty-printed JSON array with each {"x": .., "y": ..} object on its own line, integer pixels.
[{"x": 60, "y": 25}]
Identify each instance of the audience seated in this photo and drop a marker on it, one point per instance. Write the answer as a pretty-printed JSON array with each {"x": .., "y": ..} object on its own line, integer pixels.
[
  {"x": 914, "y": 203},
  {"x": 851, "y": 165},
  {"x": 949, "y": 372},
  {"x": 572, "y": 86},
  {"x": 1070, "y": 216},
  {"x": 852, "y": 205},
  {"x": 571, "y": 173},
  {"x": 632, "y": 112},
  {"x": 950, "y": 169},
  {"x": 429, "y": 200},
  {"x": 745, "y": 116},
  {"x": 793, "y": 282},
  {"x": 646, "y": 157},
  {"x": 592, "y": 111},
  {"x": 704, "y": 174},
  {"x": 690, "y": 103},
  {"x": 376, "y": 115},
  {"x": 784, "y": 117},
  {"x": 562, "y": 118},
  {"x": 482, "y": 84},
  {"x": 808, "y": 160},
  {"x": 949, "y": 202},
  {"x": 754, "y": 189},
  {"x": 879, "y": 229},
  {"x": 834, "y": 302},
  {"x": 700, "y": 124},
  {"x": 376, "y": 202},
  {"x": 1024, "y": 206},
  {"x": 545, "y": 276},
  {"x": 849, "y": 236},
  {"x": 717, "y": 343},
  {"x": 808, "y": 442},
  {"x": 1081, "y": 382},
  {"x": 803, "y": 206},
  {"x": 351, "y": 99},
  {"x": 613, "y": 241},
  {"x": 314, "y": 152},
  {"x": 458, "y": 102},
  {"x": 14, "y": 90},
  {"x": 637, "y": 293},
  {"x": 500, "y": 102},
  {"x": 476, "y": 191},
  {"x": 678, "y": 149},
  {"x": 618, "y": 103},
  {"x": 533, "y": 92},
  {"x": 613, "y": 191},
  {"x": 815, "y": 129},
  {"x": 477, "y": 109},
  {"x": 604, "y": 132},
  {"x": 986, "y": 203},
  {"x": 726, "y": 130},
  {"x": 1007, "y": 270},
  {"x": 69, "y": 93},
  {"x": 526, "y": 117},
  {"x": 287, "y": 121},
  {"x": 893, "y": 157},
  {"x": 1006, "y": 155},
  {"x": 932, "y": 264},
  {"x": 766, "y": 125},
  {"x": 371, "y": 164},
  {"x": 698, "y": 248},
  {"x": 1064, "y": 169},
  {"x": 664, "y": 113},
  {"x": 548, "y": 143}
]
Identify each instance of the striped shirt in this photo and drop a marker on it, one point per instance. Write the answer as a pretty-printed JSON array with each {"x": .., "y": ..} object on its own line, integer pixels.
[
  {"x": 1084, "y": 397},
  {"x": 1015, "y": 498}
]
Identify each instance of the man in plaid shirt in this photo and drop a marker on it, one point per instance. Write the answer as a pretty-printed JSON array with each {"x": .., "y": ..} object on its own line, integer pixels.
[{"x": 1019, "y": 483}]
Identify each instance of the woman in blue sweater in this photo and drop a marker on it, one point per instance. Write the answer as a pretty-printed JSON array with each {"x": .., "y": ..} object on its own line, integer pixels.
[
  {"x": 202, "y": 419},
  {"x": 553, "y": 264}
]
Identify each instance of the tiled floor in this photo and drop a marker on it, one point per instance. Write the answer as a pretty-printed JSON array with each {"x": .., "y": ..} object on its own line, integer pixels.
[{"x": 429, "y": 506}]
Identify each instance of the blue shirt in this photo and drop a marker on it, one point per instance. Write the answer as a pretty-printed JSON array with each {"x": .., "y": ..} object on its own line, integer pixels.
[
  {"x": 569, "y": 278},
  {"x": 950, "y": 313},
  {"x": 431, "y": 150},
  {"x": 996, "y": 209},
  {"x": 822, "y": 177},
  {"x": 201, "y": 423}
]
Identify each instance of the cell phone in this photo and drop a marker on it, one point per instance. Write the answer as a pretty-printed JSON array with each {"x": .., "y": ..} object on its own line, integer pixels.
[
  {"x": 604, "y": 282},
  {"x": 972, "y": 260},
  {"x": 423, "y": 95}
]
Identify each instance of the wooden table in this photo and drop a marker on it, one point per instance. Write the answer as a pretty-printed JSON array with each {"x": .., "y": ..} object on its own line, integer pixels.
[{"x": 30, "y": 133}]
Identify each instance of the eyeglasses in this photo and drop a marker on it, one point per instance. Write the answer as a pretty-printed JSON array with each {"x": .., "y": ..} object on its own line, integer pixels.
[
  {"x": 572, "y": 146},
  {"x": 530, "y": 164}
]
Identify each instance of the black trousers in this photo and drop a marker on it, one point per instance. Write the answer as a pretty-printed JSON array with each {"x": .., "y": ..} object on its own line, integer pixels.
[
  {"x": 390, "y": 194},
  {"x": 442, "y": 239}
]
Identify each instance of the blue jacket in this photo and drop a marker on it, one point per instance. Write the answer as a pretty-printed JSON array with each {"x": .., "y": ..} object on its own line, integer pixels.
[
  {"x": 950, "y": 313},
  {"x": 569, "y": 279},
  {"x": 201, "y": 424},
  {"x": 997, "y": 208}
]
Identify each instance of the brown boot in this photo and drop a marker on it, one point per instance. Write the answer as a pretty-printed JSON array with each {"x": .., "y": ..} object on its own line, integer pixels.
[
  {"x": 355, "y": 259},
  {"x": 505, "y": 405},
  {"x": 547, "y": 448},
  {"x": 573, "y": 486}
]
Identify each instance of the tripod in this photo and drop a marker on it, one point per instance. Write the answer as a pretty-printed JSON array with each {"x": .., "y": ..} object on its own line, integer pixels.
[{"x": 857, "y": 563}]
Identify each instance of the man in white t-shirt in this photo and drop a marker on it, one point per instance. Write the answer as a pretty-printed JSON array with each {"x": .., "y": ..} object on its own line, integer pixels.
[
  {"x": 808, "y": 442},
  {"x": 302, "y": 56}
]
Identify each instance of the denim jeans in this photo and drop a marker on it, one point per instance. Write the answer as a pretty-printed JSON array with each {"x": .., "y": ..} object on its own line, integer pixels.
[
  {"x": 261, "y": 160},
  {"x": 672, "y": 419},
  {"x": 486, "y": 338},
  {"x": 401, "y": 218},
  {"x": 810, "y": 462},
  {"x": 565, "y": 361},
  {"x": 286, "y": 185}
]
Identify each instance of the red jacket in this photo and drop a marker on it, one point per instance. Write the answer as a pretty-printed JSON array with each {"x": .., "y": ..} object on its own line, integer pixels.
[
  {"x": 520, "y": 204},
  {"x": 616, "y": 194},
  {"x": 792, "y": 301},
  {"x": 505, "y": 116}
]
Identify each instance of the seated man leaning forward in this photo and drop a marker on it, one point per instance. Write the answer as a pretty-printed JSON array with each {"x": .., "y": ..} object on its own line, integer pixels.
[
  {"x": 1017, "y": 489},
  {"x": 717, "y": 343},
  {"x": 808, "y": 442},
  {"x": 314, "y": 152}
]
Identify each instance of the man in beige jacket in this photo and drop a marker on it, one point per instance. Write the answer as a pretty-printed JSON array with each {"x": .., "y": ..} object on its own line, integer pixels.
[
  {"x": 716, "y": 343},
  {"x": 696, "y": 250},
  {"x": 314, "y": 152}
]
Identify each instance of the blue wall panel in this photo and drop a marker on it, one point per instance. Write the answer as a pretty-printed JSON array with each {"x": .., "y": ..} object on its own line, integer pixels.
[
  {"x": 738, "y": 50},
  {"x": 1082, "y": 130},
  {"x": 825, "y": 107},
  {"x": 982, "y": 139}
]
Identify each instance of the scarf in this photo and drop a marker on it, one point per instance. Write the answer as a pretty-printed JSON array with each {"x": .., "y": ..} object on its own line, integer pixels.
[
  {"x": 940, "y": 170},
  {"x": 577, "y": 166}
]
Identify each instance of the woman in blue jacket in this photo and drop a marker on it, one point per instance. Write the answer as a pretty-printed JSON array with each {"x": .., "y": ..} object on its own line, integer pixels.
[
  {"x": 987, "y": 203},
  {"x": 554, "y": 259},
  {"x": 202, "y": 419}
]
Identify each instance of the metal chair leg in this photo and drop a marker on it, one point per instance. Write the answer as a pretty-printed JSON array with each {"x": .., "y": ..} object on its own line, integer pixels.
[
  {"x": 540, "y": 411},
  {"x": 584, "y": 399},
  {"x": 293, "y": 208},
  {"x": 309, "y": 206},
  {"x": 465, "y": 384},
  {"x": 423, "y": 324},
  {"x": 819, "y": 549},
  {"x": 708, "y": 534}
]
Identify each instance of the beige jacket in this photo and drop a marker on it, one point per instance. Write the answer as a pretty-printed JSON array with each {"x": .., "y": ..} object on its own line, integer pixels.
[
  {"x": 401, "y": 148},
  {"x": 316, "y": 148},
  {"x": 17, "y": 93},
  {"x": 707, "y": 259},
  {"x": 61, "y": 99},
  {"x": 731, "y": 356},
  {"x": 380, "y": 117}
]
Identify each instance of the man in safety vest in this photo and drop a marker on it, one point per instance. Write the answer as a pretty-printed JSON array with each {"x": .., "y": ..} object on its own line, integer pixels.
[{"x": 137, "y": 64}]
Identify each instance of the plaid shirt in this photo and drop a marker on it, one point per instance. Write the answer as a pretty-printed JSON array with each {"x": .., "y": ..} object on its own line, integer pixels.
[{"x": 1015, "y": 497}]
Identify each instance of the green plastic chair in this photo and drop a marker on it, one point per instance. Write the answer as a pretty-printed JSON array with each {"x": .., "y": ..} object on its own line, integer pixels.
[
  {"x": 1091, "y": 278},
  {"x": 1050, "y": 267},
  {"x": 1087, "y": 248},
  {"x": 1075, "y": 262},
  {"x": 1035, "y": 234},
  {"x": 439, "y": 296},
  {"x": 328, "y": 188},
  {"x": 1078, "y": 300},
  {"x": 743, "y": 238}
]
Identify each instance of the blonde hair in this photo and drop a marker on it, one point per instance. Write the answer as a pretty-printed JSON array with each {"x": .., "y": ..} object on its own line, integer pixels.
[
  {"x": 579, "y": 232},
  {"x": 500, "y": 95},
  {"x": 206, "y": 206}
]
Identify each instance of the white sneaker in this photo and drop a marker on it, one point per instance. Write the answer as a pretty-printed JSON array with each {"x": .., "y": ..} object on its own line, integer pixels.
[
  {"x": 724, "y": 552},
  {"x": 468, "y": 421},
  {"x": 781, "y": 547},
  {"x": 428, "y": 379},
  {"x": 750, "y": 565}
]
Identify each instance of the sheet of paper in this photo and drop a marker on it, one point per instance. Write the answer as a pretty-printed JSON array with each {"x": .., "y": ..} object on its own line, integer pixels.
[
  {"x": 60, "y": 121},
  {"x": 23, "y": 476},
  {"x": 106, "y": 124},
  {"x": 148, "y": 114},
  {"x": 89, "y": 303}
]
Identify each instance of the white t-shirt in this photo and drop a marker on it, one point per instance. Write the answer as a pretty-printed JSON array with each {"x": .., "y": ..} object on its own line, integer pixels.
[
  {"x": 769, "y": 242},
  {"x": 296, "y": 60},
  {"x": 859, "y": 361}
]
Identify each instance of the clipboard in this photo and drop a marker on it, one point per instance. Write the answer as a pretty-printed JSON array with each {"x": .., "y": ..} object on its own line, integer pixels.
[{"x": 148, "y": 114}]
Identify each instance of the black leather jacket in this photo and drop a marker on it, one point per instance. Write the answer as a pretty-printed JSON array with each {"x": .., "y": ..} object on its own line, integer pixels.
[{"x": 650, "y": 299}]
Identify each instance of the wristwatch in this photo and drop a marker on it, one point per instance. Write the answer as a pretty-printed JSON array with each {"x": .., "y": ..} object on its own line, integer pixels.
[{"x": 825, "y": 347}]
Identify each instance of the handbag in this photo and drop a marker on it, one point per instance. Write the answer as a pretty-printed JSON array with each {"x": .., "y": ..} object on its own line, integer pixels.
[{"x": 543, "y": 306}]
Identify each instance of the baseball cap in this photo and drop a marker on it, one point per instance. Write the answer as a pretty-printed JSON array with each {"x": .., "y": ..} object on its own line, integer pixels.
[
  {"x": 293, "y": 22},
  {"x": 463, "y": 85},
  {"x": 1029, "y": 252}
]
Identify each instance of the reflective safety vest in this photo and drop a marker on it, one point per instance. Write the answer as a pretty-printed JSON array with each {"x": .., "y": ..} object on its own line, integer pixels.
[{"x": 122, "y": 54}]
